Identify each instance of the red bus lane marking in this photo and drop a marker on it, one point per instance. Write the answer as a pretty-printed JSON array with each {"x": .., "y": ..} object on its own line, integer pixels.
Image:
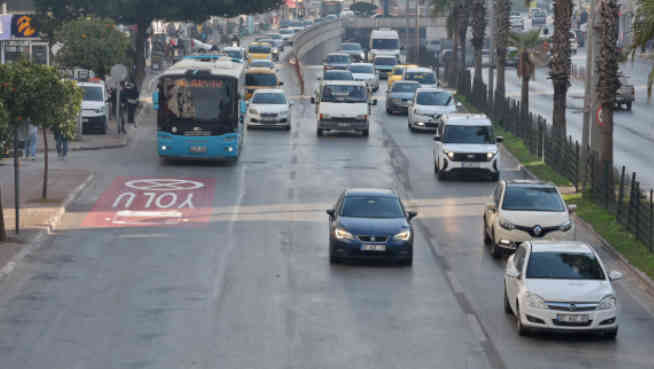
[{"x": 152, "y": 202}]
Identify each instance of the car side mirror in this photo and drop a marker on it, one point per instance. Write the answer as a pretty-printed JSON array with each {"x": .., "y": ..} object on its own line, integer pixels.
[
  {"x": 572, "y": 208},
  {"x": 313, "y": 100},
  {"x": 319, "y": 78},
  {"x": 499, "y": 139},
  {"x": 437, "y": 138},
  {"x": 615, "y": 275},
  {"x": 491, "y": 207},
  {"x": 373, "y": 102},
  {"x": 512, "y": 273},
  {"x": 281, "y": 83},
  {"x": 291, "y": 103},
  {"x": 330, "y": 212},
  {"x": 411, "y": 214}
]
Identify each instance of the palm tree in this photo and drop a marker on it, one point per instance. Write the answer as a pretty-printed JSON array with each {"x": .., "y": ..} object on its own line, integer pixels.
[
  {"x": 478, "y": 33},
  {"x": 502, "y": 29},
  {"x": 463, "y": 21},
  {"x": 643, "y": 33},
  {"x": 606, "y": 67},
  {"x": 449, "y": 9},
  {"x": 527, "y": 44},
  {"x": 560, "y": 67}
]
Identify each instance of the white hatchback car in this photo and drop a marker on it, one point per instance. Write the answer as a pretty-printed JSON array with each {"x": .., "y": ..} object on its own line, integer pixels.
[
  {"x": 365, "y": 72},
  {"x": 560, "y": 287},
  {"x": 466, "y": 144},
  {"x": 522, "y": 210},
  {"x": 428, "y": 106},
  {"x": 269, "y": 108}
]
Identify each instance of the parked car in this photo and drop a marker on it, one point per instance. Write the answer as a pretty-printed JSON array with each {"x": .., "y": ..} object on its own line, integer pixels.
[
  {"x": 269, "y": 108},
  {"x": 427, "y": 108},
  {"x": 521, "y": 210},
  {"x": 560, "y": 286},
  {"x": 400, "y": 95},
  {"x": 95, "y": 108},
  {"x": 370, "y": 224}
]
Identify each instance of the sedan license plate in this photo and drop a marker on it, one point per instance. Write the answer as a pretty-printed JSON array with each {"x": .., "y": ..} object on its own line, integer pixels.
[
  {"x": 469, "y": 165},
  {"x": 373, "y": 248},
  {"x": 343, "y": 124},
  {"x": 198, "y": 149},
  {"x": 572, "y": 318}
]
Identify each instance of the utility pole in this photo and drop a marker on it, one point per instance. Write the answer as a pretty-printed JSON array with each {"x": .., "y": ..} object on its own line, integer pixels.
[{"x": 491, "y": 49}]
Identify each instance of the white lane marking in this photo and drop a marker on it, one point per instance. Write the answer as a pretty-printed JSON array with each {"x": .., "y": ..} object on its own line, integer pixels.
[
  {"x": 456, "y": 286},
  {"x": 476, "y": 327},
  {"x": 437, "y": 248}
]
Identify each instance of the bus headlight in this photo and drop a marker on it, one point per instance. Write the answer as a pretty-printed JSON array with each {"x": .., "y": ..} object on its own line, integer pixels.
[{"x": 173, "y": 130}]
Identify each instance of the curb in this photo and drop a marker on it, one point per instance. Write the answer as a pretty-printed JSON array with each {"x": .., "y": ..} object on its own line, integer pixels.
[
  {"x": 615, "y": 253},
  {"x": 523, "y": 169},
  {"x": 51, "y": 224}
]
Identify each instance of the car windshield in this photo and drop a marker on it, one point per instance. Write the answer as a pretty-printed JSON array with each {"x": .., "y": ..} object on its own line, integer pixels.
[
  {"x": 362, "y": 69},
  {"x": 526, "y": 198},
  {"x": 92, "y": 93},
  {"x": 340, "y": 75},
  {"x": 234, "y": 53},
  {"x": 200, "y": 99},
  {"x": 398, "y": 71},
  {"x": 386, "y": 44},
  {"x": 426, "y": 78},
  {"x": 262, "y": 64},
  {"x": 338, "y": 59},
  {"x": 434, "y": 98},
  {"x": 260, "y": 49},
  {"x": 269, "y": 98},
  {"x": 385, "y": 61},
  {"x": 478, "y": 135},
  {"x": 405, "y": 87},
  {"x": 372, "y": 207},
  {"x": 564, "y": 265},
  {"x": 351, "y": 47},
  {"x": 260, "y": 79},
  {"x": 344, "y": 93}
]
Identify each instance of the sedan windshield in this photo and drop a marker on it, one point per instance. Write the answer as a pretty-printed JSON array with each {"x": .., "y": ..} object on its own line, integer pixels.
[
  {"x": 338, "y": 59},
  {"x": 363, "y": 69},
  {"x": 439, "y": 98},
  {"x": 478, "y": 135},
  {"x": 92, "y": 93},
  {"x": 338, "y": 75},
  {"x": 405, "y": 87},
  {"x": 344, "y": 93},
  {"x": 372, "y": 207},
  {"x": 523, "y": 198},
  {"x": 354, "y": 47},
  {"x": 559, "y": 265},
  {"x": 426, "y": 78},
  {"x": 260, "y": 79},
  {"x": 268, "y": 98}
]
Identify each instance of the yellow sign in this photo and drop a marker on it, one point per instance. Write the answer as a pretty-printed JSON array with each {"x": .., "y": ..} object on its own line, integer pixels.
[{"x": 21, "y": 26}]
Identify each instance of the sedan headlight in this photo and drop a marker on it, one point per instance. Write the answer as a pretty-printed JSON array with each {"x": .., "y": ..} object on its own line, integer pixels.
[
  {"x": 362, "y": 55},
  {"x": 283, "y": 113},
  {"x": 506, "y": 224},
  {"x": 607, "y": 303},
  {"x": 490, "y": 155},
  {"x": 253, "y": 111},
  {"x": 449, "y": 154},
  {"x": 566, "y": 226},
  {"x": 535, "y": 301},
  {"x": 362, "y": 117},
  {"x": 342, "y": 234},
  {"x": 403, "y": 236},
  {"x": 275, "y": 50}
]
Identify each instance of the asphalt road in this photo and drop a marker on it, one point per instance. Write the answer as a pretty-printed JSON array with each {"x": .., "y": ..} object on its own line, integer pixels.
[{"x": 250, "y": 285}]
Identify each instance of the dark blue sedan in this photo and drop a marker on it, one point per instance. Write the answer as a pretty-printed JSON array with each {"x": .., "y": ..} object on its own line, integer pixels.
[{"x": 370, "y": 223}]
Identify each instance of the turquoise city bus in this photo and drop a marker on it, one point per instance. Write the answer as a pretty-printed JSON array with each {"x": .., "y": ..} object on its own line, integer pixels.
[{"x": 200, "y": 109}]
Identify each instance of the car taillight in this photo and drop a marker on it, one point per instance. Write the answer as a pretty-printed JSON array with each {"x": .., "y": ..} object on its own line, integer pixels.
[{"x": 321, "y": 116}]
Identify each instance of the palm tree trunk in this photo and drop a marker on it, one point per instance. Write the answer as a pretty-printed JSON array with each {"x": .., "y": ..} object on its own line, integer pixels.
[
  {"x": 524, "y": 90},
  {"x": 464, "y": 19},
  {"x": 560, "y": 70},
  {"x": 453, "y": 65},
  {"x": 608, "y": 83},
  {"x": 3, "y": 230},
  {"x": 502, "y": 18},
  {"x": 44, "y": 192},
  {"x": 478, "y": 33}
]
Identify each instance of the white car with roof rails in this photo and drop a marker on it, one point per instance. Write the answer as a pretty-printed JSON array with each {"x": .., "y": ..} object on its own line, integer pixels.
[
  {"x": 365, "y": 72},
  {"x": 343, "y": 106},
  {"x": 428, "y": 106},
  {"x": 425, "y": 76},
  {"x": 521, "y": 210},
  {"x": 560, "y": 286},
  {"x": 466, "y": 144},
  {"x": 269, "y": 108}
]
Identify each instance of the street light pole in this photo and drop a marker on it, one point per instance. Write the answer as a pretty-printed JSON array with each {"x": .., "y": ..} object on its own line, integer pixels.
[{"x": 491, "y": 48}]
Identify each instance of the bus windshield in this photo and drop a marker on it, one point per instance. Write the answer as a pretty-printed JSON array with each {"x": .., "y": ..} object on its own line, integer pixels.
[{"x": 200, "y": 99}]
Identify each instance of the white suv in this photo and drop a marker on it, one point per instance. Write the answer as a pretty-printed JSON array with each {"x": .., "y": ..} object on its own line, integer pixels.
[
  {"x": 522, "y": 210},
  {"x": 465, "y": 143}
]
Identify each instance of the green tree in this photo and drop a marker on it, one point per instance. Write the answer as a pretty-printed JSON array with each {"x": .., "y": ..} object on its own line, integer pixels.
[
  {"x": 91, "y": 43},
  {"x": 606, "y": 67},
  {"x": 51, "y": 14},
  {"x": 527, "y": 44},
  {"x": 560, "y": 67},
  {"x": 643, "y": 33}
]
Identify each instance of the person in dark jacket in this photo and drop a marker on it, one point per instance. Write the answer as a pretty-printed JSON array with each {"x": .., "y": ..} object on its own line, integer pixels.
[{"x": 131, "y": 94}]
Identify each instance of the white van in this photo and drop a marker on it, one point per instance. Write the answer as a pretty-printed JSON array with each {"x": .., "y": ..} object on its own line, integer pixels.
[
  {"x": 343, "y": 106},
  {"x": 384, "y": 42},
  {"x": 466, "y": 143},
  {"x": 95, "y": 107}
]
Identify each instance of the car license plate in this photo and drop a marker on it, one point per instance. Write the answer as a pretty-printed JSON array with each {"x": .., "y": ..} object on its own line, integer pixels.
[
  {"x": 198, "y": 149},
  {"x": 343, "y": 124},
  {"x": 373, "y": 248},
  {"x": 469, "y": 165},
  {"x": 572, "y": 318}
]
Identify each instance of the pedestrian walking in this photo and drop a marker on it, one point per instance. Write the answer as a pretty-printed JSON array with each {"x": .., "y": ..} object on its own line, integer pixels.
[
  {"x": 61, "y": 142},
  {"x": 132, "y": 97},
  {"x": 30, "y": 141}
]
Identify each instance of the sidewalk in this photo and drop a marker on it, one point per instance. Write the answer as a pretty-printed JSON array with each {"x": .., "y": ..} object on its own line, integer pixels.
[
  {"x": 110, "y": 140},
  {"x": 37, "y": 217}
]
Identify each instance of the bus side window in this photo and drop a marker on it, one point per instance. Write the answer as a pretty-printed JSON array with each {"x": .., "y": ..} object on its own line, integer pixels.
[{"x": 155, "y": 99}]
